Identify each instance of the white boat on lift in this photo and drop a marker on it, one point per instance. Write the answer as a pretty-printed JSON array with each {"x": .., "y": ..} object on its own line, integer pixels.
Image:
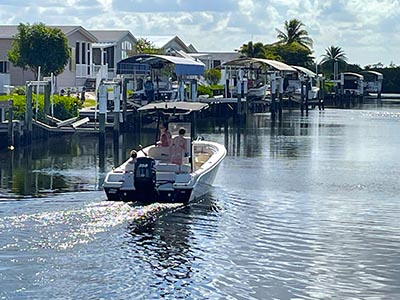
[{"x": 155, "y": 178}]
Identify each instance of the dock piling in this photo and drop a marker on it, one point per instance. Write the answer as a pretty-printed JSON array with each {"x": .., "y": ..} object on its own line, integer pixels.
[
  {"x": 10, "y": 123},
  {"x": 28, "y": 115}
]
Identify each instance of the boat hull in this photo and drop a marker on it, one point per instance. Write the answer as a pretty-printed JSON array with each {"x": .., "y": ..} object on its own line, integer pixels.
[{"x": 177, "y": 196}]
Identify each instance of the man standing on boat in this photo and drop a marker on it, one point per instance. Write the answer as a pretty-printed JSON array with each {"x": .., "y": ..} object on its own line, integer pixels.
[{"x": 178, "y": 147}]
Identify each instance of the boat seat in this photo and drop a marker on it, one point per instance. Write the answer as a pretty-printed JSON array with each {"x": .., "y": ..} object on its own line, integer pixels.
[
  {"x": 202, "y": 157},
  {"x": 165, "y": 176},
  {"x": 163, "y": 167},
  {"x": 185, "y": 169},
  {"x": 159, "y": 153}
]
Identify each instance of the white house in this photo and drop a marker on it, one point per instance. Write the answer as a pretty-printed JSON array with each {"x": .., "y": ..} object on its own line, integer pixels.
[
  {"x": 76, "y": 73},
  {"x": 112, "y": 46}
]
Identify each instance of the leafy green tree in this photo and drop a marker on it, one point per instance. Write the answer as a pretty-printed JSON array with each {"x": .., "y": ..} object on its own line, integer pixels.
[
  {"x": 294, "y": 32},
  {"x": 291, "y": 54},
  {"x": 38, "y": 45},
  {"x": 145, "y": 46},
  {"x": 352, "y": 68},
  {"x": 213, "y": 76}
]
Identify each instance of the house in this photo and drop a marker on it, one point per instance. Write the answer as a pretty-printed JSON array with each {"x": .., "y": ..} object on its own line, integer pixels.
[
  {"x": 10, "y": 75},
  {"x": 76, "y": 73},
  {"x": 111, "y": 47},
  {"x": 213, "y": 60},
  {"x": 170, "y": 43}
]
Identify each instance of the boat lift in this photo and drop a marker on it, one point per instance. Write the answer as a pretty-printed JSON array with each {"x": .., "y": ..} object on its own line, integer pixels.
[
  {"x": 258, "y": 71},
  {"x": 142, "y": 66}
]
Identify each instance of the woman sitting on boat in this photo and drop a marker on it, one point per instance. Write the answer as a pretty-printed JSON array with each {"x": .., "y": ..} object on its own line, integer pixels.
[{"x": 178, "y": 147}]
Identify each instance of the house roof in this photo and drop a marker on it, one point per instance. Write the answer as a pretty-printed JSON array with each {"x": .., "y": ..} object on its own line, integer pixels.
[
  {"x": 111, "y": 36},
  {"x": 159, "y": 41},
  {"x": 162, "y": 41},
  {"x": 9, "y": 31}
]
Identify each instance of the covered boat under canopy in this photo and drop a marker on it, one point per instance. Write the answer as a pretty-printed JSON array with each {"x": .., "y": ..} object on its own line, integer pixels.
[{"x": 142, "y": 63}]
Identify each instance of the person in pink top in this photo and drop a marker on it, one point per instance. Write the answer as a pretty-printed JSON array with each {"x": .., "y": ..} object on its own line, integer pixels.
[
  {"x": 165, "y": 136},
  {"x": 178, "y": 147}
]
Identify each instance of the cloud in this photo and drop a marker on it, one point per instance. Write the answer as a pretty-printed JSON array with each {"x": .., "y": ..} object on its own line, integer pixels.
[
  {"x": 365, "y": 30},
  {"x": 162, "y": 6}
]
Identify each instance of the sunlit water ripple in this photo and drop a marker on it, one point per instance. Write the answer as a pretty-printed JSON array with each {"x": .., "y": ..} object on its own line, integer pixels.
[{"x": 308, "y": 212}]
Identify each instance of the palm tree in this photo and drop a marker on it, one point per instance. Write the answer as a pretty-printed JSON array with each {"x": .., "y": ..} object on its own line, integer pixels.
[
  {"x": 294, "y": 32},
  {"x": 253, "y": 50},
  {"x": 334, "y": 56}
]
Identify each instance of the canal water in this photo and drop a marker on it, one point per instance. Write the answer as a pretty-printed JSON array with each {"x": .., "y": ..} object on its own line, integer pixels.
[{"x": 306, "y": 209}]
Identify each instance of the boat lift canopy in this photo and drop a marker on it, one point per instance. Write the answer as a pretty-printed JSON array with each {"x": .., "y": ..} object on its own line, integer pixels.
[
  {"x": 353, "y": 75},
  {"x": 379, "y": 76},
  {"x": 244, "y": 61},
  {"x": 173, "y": 108},
  {"x": 305, "y": 71},
  {"x": 141, "y": 64}
]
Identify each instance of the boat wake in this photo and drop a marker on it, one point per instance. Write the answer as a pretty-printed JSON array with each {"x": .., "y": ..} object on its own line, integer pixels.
[{"x": 66, "y": 229}]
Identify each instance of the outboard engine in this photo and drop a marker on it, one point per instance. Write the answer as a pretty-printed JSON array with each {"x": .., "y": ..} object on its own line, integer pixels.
[{"x": 145, "y": 179}]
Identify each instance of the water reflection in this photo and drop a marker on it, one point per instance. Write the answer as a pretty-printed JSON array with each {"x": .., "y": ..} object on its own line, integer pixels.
[
  {"x": 79, "y": 163},
  {"x": 305, "y": 209},
  {"x": 169, "y": 249}
]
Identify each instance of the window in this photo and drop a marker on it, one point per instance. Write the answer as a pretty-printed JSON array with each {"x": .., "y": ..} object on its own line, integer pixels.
[
  {"x": 216, "y": 63},
  {"x": 4, "y": 66},
  {"x": 77, "y": 60},
  {"x": 72, "y": 62},
  {"x": 83, "y": 53},
  {"x": 109, "y": 56},
  {"x": 126, "y": 48}
]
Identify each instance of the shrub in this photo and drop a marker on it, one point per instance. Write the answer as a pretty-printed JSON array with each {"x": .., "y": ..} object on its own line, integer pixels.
[
  {"x": 204, "y": 90},
  {"x": 213, "y": 76},
  {"x": 64, "y": 107}
]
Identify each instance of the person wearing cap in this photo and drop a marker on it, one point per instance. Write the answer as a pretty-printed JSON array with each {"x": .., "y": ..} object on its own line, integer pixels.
[{"x": 130, "y": 165}]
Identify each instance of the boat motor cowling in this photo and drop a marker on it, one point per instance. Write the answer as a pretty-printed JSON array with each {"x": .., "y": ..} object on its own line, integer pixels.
[{"x": 145, "y": 178}]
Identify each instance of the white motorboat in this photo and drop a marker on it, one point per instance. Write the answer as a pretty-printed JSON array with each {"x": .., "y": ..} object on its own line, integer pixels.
[{"x": 155, "y": 178}]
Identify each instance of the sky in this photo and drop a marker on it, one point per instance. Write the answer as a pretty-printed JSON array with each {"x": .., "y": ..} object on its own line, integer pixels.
[{"x": 366, "y": 30}]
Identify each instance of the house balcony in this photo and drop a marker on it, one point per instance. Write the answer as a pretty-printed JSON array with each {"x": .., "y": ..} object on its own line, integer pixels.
[{"x": 111, "y": 72}]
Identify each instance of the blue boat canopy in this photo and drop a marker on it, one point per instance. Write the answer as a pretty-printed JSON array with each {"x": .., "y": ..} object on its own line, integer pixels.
[{"x": 142, "y": 63}]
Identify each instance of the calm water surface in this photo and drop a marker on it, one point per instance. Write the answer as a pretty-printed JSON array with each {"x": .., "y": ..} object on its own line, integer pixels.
[{"x": 306, "y": 210}]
